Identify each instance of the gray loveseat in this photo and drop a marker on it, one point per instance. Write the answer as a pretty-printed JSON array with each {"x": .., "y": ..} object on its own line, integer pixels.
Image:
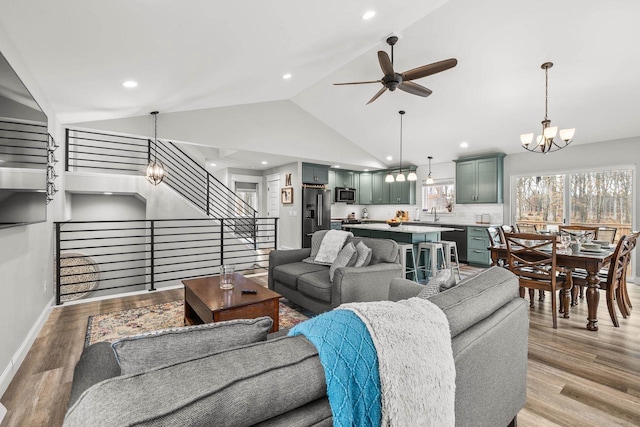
[
  {"x": 308, "y": 285},
  {"x": 280, "y": 381}
]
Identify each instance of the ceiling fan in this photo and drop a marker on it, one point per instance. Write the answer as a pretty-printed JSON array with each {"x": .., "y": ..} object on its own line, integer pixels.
[{"x": 392, "y": 80}]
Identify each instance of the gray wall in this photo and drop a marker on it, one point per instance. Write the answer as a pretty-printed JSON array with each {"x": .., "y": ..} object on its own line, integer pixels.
[
  {"x": 26, "y": 260},
  {"x": 290, "y": 222}
]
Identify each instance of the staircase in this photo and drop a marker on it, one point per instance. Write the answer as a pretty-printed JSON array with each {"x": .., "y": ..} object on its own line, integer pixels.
[{"x": 94, "y": 257}]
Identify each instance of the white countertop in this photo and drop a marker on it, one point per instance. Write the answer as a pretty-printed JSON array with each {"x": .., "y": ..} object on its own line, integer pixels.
[
  {"x": 400, "y": 229},
  {"x": 444, "y": 221}
]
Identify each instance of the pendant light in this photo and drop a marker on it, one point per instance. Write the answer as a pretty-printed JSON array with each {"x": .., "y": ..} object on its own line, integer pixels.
[
  {"x": 546, "y": 142},
  {"x": 400, "y": 177},
  {"x": 429, "y": 180},
  {"x": 155, "y": 169}
]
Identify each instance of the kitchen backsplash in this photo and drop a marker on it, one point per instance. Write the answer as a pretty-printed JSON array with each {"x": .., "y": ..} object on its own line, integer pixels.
[{"x": 461, "y": 213}]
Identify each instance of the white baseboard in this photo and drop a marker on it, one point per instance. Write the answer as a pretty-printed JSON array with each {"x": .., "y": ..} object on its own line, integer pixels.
[
  {"x": 120, "y": 295},
  {"x": 10, "y": 370},
  {"x": 3, "y": 412}
]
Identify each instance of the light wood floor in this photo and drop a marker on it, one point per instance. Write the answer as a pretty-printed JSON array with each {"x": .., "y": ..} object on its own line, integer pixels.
[{"x": 575, "y": 377}]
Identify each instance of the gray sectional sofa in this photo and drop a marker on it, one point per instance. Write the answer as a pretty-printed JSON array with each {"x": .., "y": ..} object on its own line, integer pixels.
[
  {"x": 308, "y": 285},
  {"x": 280, "y": 381}
]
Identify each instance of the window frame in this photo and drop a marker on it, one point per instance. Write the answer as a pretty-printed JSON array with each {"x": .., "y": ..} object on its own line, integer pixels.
[{"x": 424, "y": 207}]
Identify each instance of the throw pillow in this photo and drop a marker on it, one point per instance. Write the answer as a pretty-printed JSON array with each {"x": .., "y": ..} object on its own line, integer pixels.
[
  {"x": 142, "y": 352},
  {"x": 331, "y": 245},
  {"x": 346, "y": 258},
  {"x": 364, "y": 255},
  {"x": 445, "y": 279},
  {"x": 429, "y": 290}
]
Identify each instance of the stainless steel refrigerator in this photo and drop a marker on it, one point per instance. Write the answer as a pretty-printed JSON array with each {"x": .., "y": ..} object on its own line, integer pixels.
[{"x": 316, "y": 212}]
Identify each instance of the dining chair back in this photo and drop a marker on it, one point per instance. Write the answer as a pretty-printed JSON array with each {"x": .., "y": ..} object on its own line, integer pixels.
[
  {"x": 616, "y": 278},
  {"x": 607, "y": 233},
  {"x": 494, "y": 236},
  {"x": 526, "y": 228},
  {"x": 532, "y": 257},
  {"x": 586, "y": 231}
]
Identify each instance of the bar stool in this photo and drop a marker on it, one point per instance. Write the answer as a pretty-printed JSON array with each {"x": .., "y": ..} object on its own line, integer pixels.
[
  {"x": 432, "y": 265},
  {"x": 405, "y": 250},
  {"x": 451, "y": 249}
]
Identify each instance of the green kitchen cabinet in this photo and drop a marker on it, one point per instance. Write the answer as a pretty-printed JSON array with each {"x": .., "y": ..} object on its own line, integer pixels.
[
  {"x": 345, "y": 179},
  {"x": 315, "y": 174},
  {"x": 365, "y": 188},
  {"x": 377, "y": 189},
  {"x": 480, "y": 179},
  {"x": 477, "y": 244},
  {"x": 402, "y": 193}
]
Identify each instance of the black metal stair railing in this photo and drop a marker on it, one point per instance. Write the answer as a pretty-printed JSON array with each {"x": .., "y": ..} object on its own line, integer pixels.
[
  {"x": 94, "y": 258},
  {"x": 23, "y": 144},
  {"x": 105, "y": 152}
]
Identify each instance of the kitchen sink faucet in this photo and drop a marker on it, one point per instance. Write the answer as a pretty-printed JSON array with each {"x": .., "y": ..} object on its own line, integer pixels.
[{"x": 435, "y": 214}]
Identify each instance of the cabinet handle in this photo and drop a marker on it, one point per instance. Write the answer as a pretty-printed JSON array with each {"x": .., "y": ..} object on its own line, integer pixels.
[
  {"x": 478, "y": 229},
  {"x": 478, "y": 252},
  {"x": 477, "y": 238}
]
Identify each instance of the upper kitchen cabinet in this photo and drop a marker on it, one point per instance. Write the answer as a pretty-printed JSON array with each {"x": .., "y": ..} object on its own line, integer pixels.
[
  {"x": 480, "y": 179},
  {"x": 365, "y": 188},
  {"x": 315, "y": 174},
  {"x": 402, "y": 193},
  {"x": 345, "y": 179}
]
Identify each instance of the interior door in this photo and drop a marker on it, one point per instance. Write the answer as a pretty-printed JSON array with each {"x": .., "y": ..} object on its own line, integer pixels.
[{"x": 273, "y": 197}]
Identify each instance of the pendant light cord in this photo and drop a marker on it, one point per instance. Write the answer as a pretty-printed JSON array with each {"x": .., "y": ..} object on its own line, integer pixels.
[
  {"x": 546, "y": 93},
  {"x": 401, "y": 114}
]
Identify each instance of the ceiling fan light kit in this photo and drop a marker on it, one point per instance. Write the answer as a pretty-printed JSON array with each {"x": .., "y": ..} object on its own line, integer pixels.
[
  {"x": 546, "y": 142},
  {"x": 403, "y": 81}
]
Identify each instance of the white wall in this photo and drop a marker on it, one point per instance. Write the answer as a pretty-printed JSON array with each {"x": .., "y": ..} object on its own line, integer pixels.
[
  {"x": 26, "y": 260},
  {"x": 290, "y": 222}
]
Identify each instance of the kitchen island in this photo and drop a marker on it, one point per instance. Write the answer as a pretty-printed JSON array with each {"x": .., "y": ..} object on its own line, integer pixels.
[{"x": 401, "y": 234}]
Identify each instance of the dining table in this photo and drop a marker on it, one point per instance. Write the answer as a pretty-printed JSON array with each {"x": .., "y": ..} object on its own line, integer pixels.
[{"x": 592, "y": 262}]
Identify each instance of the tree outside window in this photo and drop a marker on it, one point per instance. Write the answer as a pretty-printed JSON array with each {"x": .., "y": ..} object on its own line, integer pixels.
[{"x": 440, "y": 195}]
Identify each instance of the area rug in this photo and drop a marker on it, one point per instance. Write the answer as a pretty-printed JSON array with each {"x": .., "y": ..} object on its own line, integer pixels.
[{"x": 118, "y": 324}]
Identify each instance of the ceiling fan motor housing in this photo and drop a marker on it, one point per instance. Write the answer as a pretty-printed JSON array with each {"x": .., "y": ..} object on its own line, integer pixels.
[{"x": 392, "y": 82}]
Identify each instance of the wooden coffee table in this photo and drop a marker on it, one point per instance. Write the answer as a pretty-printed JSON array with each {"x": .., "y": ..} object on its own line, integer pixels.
[{"x": 205, "y": 302}]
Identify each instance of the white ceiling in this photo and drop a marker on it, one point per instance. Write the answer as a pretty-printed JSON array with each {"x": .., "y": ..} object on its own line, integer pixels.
[{"x": 208, "y": 53}]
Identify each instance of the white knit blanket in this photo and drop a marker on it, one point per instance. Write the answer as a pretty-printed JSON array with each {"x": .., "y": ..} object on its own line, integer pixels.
[
  {"x": 417, "y": 371},
  {"x": 331, "y": 245}
]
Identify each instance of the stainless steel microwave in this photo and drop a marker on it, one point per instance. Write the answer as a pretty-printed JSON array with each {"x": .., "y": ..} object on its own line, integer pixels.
[{"x": 345, "y": 194}]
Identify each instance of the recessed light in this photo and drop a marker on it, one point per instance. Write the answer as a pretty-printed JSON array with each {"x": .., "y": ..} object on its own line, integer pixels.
[
  {"x": 369, "y": 14},
  {"x": 366, "y": 170},
  {"x": 107, "y": 193},
  {"x": 389, "y": 158},
  {"x": 130, "y": 84},
  {"x": 286, "y": 76},
  {"x": 336, "y": 166},
  {"x": 464, "y": 144},
  {"x": 264, "y": 162},
  {"x": 212, "y": 164}
]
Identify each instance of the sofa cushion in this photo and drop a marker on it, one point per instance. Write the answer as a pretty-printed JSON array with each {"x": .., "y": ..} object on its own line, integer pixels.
[
  {"x": 364, "y": 255},
  {"x": 316, "y": 285},
  {"x": 346, "y": 258},
  {"x": 382, "y": 250},
  {"x": 146, "y": 351},
  {"x": 477, "y": 298},
  {"x": 238, "y": 386},
  {"x": 287, "y": 274}
]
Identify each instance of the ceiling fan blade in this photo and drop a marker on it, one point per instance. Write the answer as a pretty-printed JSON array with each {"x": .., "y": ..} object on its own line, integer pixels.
[
  {"x": 358, "y": 83},
  {"x": 414, "y": 89},
  {"x": 427, "y": 70},
  {"x": 377, "y": 95},
  {"x": 385, "y": 63}
]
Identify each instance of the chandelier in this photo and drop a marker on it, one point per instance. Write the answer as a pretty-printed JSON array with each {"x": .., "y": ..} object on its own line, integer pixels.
[
  {"x": 155, "y": 169},
  {"x": 400, "y": 177},
  {"x": 546, "y": 142}
]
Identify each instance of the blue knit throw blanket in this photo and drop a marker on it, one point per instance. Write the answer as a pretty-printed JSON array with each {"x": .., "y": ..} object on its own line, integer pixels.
[{"x": 350, "y": 363}]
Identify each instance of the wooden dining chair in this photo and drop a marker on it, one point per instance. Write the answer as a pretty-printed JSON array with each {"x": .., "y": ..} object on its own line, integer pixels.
[
  {"x": 526, "y": 228},
  {"x": 494, "y": 236},
  {"x": 574, "y": 231},
  {"x": 633, "y": 238},
  {"x": 532, "y": 257},
  {"x": 607, "y": 233}
]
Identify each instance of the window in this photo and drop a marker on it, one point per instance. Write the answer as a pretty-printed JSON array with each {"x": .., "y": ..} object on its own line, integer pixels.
[
  {"x": 439, "y": 195},
  {"x": 603, "y": 198}
]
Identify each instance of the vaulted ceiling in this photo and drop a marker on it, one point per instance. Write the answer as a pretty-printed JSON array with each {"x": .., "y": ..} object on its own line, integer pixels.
[{"x": 229, "y": 57}]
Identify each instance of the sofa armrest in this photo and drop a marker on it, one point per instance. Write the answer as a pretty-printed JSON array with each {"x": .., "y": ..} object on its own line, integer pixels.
[
  {"x": 97, "y": 363},
  {"x": 360, "y": 284},
  {"x": 285, "y": 256},
  {"x": 400, "y": 289}
]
